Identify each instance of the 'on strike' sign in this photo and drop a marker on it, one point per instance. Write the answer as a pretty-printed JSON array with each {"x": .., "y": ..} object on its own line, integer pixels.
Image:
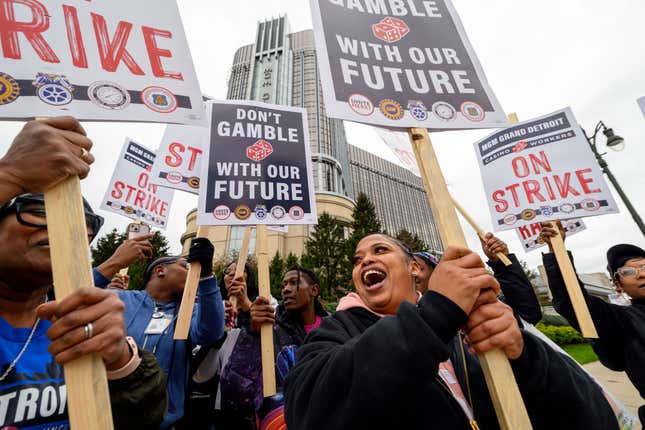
[
  {"x": 541, "y": 170},
  {"x": 97, "y": 60},
  {"x": 257, "y": 166},
  {"x": 131, "y": 192},
  {"x": 401, "y": 64}
]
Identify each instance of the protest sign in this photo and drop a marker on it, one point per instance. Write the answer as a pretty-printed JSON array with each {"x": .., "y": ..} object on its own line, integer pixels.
[
  {"x": 541, "y": 170},
  {"x": 401, "y": 64},
  {"x": 641, "y": 104},
  {"x": 529, "y": 235},
  {"x": 257, "y": 166},
  {"x": 97, "y": 61},
  {"x": 131, "y": 193},
  {"x": 399, "y": 144},
  {"x": 179, "y": 159}
]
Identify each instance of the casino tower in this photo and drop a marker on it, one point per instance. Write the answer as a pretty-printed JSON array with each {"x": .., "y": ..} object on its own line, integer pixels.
[{"x": 281, "y": 67}]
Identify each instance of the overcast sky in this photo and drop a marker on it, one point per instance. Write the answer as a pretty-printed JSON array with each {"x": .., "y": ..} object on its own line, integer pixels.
[{"x": 538, "y": 56}]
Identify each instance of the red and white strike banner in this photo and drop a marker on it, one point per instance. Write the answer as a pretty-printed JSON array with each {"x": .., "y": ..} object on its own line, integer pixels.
[
  {"x": 541, "y": 170},
  {"x": 179, "y": 159},
  {"x": 131, "y": 192},
  {"x": 97, "y": 60}
]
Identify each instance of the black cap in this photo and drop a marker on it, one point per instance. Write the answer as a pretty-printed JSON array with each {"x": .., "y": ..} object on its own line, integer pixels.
[
  {"x": 161, "y": 261},
  {"x": 618, "y": 255}
]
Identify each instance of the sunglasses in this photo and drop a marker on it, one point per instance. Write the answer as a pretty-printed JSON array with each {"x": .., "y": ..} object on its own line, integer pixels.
[
  {"x": 32, "y": 214},
  {"x": 630, "y": 271}
]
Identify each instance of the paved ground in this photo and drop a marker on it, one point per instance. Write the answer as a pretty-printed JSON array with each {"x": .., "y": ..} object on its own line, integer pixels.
[{"x": 618, "y": 384}]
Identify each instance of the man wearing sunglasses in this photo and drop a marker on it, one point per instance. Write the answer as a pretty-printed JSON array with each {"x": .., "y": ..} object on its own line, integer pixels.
[
  {"x": 38, "y": 333},
  {"x": 621, "y": 329}
]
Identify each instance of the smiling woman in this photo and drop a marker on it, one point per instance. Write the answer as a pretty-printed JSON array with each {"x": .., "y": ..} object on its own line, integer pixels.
[{"x": 389, "y": 358}]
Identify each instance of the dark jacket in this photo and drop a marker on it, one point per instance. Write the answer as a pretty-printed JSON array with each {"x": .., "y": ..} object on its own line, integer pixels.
[
  {"x": 144, "y": 391},
  {"x": 359, "y": 371},
  {"x": 241, "y": 380},
  {"x": 621, "y": 329},
  {"x": 517, "y": 290}
]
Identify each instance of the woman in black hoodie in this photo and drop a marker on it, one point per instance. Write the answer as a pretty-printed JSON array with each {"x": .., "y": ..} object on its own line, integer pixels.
[{"x": 390, "y": 359}]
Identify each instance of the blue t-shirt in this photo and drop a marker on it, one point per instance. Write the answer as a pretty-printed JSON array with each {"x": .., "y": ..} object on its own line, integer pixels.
[{"x": 33, "y": 396}]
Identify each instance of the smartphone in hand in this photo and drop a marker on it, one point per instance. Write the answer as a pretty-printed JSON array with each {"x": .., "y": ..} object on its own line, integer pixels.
[{"x": 137, "y": 230}]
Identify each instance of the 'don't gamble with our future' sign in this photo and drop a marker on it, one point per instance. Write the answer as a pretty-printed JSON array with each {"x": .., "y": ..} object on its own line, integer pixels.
[
  {"x": 404, "y": 63},
  {"x": 257, "y": 166}
]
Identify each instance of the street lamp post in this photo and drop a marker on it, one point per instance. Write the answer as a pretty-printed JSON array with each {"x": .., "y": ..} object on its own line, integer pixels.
[{"x": 616, "y": 143}]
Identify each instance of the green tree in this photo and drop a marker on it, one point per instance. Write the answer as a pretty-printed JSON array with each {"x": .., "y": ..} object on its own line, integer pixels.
[
  {"x": 324, "y": 254},
  {"x": 292, "y": 260},
  {"x": 106, "y": 245},
  {"x": 414, "y": 242},
  {"x": 276, "y": 273},
  {"x": 365, "y": 222}
]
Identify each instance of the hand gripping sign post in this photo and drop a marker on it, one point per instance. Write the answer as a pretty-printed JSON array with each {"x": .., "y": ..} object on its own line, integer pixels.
[
  {"x": 541, "y": 170},
  {"x": 130, "y": 192},
  {"x": 480, "y": 232},
  {"x": 509, "y": 407},
  {"x": 96, "y": 61},
  {"x": 257, "y": 171},
  {"x": 410, "y": 65}
]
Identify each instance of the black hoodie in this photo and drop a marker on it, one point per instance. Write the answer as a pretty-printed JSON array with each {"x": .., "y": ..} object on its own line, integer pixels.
[
  {"x": 359, "y": 371},
  {"x": 621, "y": 329}
]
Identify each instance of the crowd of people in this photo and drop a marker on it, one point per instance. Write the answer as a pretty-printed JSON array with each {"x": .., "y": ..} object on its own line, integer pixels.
[{"x": 399, "y": 352}]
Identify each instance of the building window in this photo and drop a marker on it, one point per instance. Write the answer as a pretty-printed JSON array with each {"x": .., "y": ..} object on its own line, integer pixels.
[{"x": 235, "y": 241}]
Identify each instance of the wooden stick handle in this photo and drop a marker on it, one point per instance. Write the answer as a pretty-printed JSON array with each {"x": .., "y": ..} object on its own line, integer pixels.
[
  {"x": 88, "y": 398},
  {"x": 190, "y": 292},
  {"x": 241, "y": 261},
  {"x": 266, "y": 332},
  {"x": 580, "y": 307},
  {"x": 480, "y": 232},
  {"x": 509, "y": 407}
]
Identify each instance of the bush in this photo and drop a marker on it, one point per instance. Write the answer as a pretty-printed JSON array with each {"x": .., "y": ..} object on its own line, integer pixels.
[
  {"x": 556, "y": 320},
  {"x": 561, "y": 335}
]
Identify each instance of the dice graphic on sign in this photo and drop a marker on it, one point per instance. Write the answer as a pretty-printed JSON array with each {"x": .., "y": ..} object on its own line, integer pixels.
[
  {"x": 390, "y": 29},
  {"x": 259, "y": 150}
]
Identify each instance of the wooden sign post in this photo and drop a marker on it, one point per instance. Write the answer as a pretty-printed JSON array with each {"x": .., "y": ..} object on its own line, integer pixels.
[
  {"x": 480, "y": 232},
  {"x": 88, "y": 398},
  {"x": 509, "y": 407},
  {"x": 266, "y": 332},
  {"x": 580, "y": 308},
  {"x": 241, "y": 261},
  {"x": 190, "y": 292}
]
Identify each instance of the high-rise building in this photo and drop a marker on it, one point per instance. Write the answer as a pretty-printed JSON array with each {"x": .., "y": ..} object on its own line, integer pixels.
[{"x": 281, "y": 67}]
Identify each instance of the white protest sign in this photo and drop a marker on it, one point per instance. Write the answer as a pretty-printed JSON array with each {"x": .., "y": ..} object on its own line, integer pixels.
[
  {"x": 401, "y": 64},
  {"x": 540, "y": 170},
  {"x": 257, "y": 166},
  {"x": 529, "y": 235},
  {"x": 131, "y": 193},
  {"x": 399, "y": 144},
  {"x": 179, "y": 159},
  {"x": 97, "y": 60}
]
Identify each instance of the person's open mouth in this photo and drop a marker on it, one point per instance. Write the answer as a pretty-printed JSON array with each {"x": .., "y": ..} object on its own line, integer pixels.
[{"x": 373, "y": 279}]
